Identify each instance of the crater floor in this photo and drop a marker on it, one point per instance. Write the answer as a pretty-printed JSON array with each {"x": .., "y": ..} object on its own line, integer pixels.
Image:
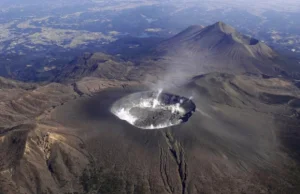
[{"x": 153, "y": 110}]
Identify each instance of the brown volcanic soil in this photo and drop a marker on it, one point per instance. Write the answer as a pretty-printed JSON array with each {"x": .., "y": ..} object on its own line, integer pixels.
[
  {"x": 234, "y": 143},
  {"x": 59, "y": 138},
  {"x": 38, "y": 155},
  {"x": 62, "y": 138}
]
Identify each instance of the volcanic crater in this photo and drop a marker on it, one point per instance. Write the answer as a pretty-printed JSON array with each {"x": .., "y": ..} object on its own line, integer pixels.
[{"x": 153, "y": 109}]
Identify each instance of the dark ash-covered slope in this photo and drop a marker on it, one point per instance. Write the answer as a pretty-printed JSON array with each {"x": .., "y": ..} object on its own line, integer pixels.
[
  {"x": 243, "y": 138},
  {"x": 233, "y": 143}
]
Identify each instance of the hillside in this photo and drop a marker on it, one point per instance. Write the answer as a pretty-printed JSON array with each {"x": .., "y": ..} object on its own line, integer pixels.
[
  {"x": 60, "y": 138},
  {"x": 221, "y": 48}
]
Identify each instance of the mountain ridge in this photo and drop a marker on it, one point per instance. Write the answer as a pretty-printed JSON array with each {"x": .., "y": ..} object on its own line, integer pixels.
[
  {"x": 202, "y": 37},
  {"x": 219, "y": 47}
]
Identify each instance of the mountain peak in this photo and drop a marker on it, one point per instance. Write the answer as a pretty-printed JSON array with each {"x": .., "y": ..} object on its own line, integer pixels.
[
  {"x": 220, "y": 46},
  {"x": 195, "y": 27},
  {"x": 221, "y": 26},
  {"x": 190, "y": 31}
]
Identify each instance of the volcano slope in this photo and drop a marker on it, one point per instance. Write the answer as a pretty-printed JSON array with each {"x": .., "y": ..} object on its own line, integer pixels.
[
  {"x": 220, "y": 48},
  {"x": 38, "y": 155},
  {"x": 243, "y": 138},
  {"x": 239, "y": 140}
]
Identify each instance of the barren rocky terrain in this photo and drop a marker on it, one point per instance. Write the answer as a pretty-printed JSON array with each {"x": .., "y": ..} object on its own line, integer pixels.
[
  {"x": 242, "y": 138},
  {"x": 61, "y": 137}
]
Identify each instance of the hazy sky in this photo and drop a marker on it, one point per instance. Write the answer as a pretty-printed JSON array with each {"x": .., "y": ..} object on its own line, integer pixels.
[
  {"x": 253, "y": 6},
  {"x": 258, "y": 5}
]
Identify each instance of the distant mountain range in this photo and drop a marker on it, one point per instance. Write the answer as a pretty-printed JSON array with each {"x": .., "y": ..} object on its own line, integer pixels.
[
  {"x": 219, "y": 47},
  {"x": 196, "y": 50}
]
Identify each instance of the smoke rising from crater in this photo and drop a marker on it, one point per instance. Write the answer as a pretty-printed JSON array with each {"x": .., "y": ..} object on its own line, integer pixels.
[
  {"x": 179, "y": 67},
  {"x": 153, "y": 110}
]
